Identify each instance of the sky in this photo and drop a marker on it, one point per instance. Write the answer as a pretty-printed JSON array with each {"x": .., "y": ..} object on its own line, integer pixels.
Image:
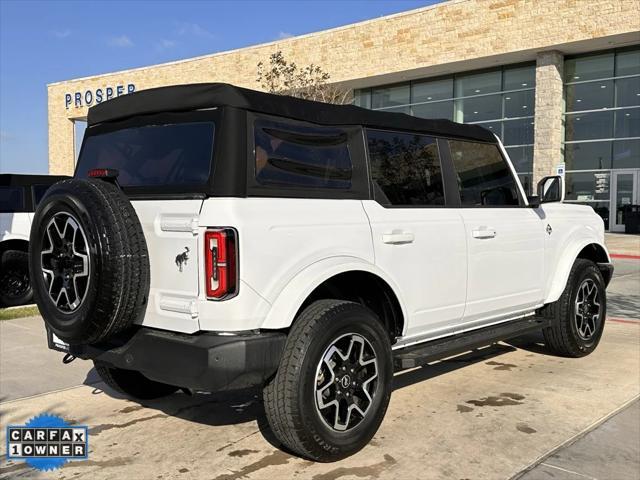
[{"x": 42, "y": 42}]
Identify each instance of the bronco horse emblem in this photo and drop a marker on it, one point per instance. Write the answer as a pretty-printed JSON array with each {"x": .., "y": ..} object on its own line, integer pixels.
[{"x": 182, "y": 258}]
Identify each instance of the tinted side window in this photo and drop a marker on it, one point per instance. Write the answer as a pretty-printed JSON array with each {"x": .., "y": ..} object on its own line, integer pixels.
[
  {"x": 405, "y": 168},
  {"x": 483, "y": 175},
  {"x": 12, "y": 199},
  {"x": 301, "y": 156}
]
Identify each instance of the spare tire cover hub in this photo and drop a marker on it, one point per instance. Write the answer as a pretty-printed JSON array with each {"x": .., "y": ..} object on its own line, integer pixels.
[{"x": 66, "y": 264}]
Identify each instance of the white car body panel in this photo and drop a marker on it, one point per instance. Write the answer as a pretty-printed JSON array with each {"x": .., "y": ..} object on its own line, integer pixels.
[
  {"x": 298, "y": 289},
  {"x": 505, "y": 271},
  {"x": 574, "y": 227},
  {"x": 15, "y": 226},
  {"x": 451, "y": 269},
  {"x": 430, "y": 268},
  {"x": 169, "y": 228}
]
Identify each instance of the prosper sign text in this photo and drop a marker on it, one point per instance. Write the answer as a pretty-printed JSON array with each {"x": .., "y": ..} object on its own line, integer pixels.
[{"x": 99, "y": 95}]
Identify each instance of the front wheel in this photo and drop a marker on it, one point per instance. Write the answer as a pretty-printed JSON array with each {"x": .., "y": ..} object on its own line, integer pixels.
[
  {"x": 577, "y": 318},
  {"x": 333, "y": 385}
]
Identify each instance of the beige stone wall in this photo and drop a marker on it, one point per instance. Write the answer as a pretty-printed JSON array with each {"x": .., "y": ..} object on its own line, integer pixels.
[
  {"x": 455, "y": 31},
  {"x": 548, "y": 132}
]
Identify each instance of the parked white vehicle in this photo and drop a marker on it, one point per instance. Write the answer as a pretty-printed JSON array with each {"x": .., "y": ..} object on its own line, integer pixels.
[
  {"x": 19, "y": 195},
  {"x": 215, "y": 237}
]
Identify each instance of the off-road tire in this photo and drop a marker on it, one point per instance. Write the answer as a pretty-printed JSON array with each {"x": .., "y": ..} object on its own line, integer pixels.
[
  {"x": 132, "y": 383},
  {"x": 289, "y": 398},
  {"x": 562, "y": 337},
  {"x": 14, "y": 267},
  {"x": 118, "y": 286}
]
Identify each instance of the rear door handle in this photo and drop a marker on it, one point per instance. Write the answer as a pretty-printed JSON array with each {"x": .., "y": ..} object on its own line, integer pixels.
[
  {"x": 484, "y": 232},
  {"x": 397, "y": 238}
]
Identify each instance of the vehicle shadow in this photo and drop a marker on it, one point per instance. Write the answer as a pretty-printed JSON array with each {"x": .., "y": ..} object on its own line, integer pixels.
[
  {"x": 242, "y": 406},
  {"x": 405, "y": 378}
]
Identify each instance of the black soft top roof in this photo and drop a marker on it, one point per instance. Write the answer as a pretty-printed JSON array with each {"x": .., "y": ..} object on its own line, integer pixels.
[
  {"x": 208, "y": 95},
  {"x": 26, "y": 180}
]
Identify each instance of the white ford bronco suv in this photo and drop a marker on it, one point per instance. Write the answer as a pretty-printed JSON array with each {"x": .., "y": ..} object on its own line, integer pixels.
[
  {"x": 19, "y": 195},
  {"x": 217, "y": 238}
]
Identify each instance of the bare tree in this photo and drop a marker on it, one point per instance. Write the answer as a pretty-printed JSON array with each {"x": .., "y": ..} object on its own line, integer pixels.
[{"x": 310, "y": 82}]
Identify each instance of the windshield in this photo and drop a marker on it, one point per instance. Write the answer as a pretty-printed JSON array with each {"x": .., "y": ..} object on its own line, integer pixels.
[{"x": 178, "y": 154}]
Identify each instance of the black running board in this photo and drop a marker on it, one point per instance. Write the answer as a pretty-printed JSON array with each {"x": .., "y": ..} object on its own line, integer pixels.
[{"x": 423, "y": 353}]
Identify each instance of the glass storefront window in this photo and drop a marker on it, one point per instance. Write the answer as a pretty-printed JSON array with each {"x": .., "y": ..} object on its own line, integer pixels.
[
  {"x": 628, "y": 92},
  {"x": 518, "y": 104},
  {"x": 432, "y": 90},
  {"x": 517, "y": 78},
  {"x": 518, "y": 132},
  {"x": 602, "y": 125},
  {"x": 405, "y": 109},
  {"x": 434, "y": 110},
  {"x": 478, "y": 83},
  {"x": 501, "y": 100},
  {"x": 493, "y": 127},
  {"x": 628, "y": 63},
  {"x": 478, "y": 109},
  {"x": 587, "y": 186},
  {"x": 626, "y": 154},
  {"x": 522, "y": 158},
  {"x": 588, "y": 126},
  {"x": 627, "y": 123},
  {"x": 390, "y": 96},
  {"x": 589, "y": 96},
  {"x": 589, "y": 67},
  {"x": 362, "y": 98},
  {"x": 587, "y": 156}
]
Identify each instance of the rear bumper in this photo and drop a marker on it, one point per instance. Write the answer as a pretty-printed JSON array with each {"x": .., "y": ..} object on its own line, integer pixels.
[{"x": 204, "y": 361}]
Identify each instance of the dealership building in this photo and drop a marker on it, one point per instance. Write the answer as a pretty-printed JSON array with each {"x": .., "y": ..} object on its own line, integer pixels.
[{"x": 557, "y": 80}]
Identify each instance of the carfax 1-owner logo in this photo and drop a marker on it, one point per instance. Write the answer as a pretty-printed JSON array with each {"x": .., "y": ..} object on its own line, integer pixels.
[{"x": 47, "y": 442}]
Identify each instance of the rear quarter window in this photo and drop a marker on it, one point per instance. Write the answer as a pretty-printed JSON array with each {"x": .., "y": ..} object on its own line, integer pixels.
[{"x": 301, "y": 156}]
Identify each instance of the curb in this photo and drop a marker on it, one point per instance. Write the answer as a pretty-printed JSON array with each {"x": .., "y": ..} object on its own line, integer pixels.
[{"x": 625, "y": 256}]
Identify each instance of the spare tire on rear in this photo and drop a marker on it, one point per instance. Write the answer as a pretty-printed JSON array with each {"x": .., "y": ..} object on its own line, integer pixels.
[{"x": 88, "y": 261}]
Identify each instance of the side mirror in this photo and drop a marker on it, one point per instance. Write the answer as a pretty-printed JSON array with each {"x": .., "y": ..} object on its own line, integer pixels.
[{"x": 551, "y": 189}]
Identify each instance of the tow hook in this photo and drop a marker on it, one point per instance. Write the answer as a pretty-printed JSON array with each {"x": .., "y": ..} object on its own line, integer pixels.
[{"x": 68, "y": 358}]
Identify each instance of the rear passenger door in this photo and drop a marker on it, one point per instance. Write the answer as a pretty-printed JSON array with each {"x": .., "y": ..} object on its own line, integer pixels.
[
  {"x": 417, "y": 241},
  {"x": 505, "y": 238}
]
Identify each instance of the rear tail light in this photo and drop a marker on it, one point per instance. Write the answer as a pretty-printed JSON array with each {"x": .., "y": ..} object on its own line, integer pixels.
[{"x": 221, "y": 263}]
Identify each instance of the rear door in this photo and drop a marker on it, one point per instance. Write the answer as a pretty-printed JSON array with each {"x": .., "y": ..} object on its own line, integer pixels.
[
  {"x": 505, "y": 239},
  {"x": 163, "y": 165},
  {"x": 418, "y": 241}
]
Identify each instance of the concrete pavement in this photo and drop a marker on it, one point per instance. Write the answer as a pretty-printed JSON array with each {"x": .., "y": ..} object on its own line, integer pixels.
[
  {"x": 487, "y": 415},
  {"x": 623, "y": 293},
  {"x": 612, "y": 450},
  {"x": 623, "y": 244},
  {"x": 28, "y": 367},
  {"x": 501, "y": 412}
]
